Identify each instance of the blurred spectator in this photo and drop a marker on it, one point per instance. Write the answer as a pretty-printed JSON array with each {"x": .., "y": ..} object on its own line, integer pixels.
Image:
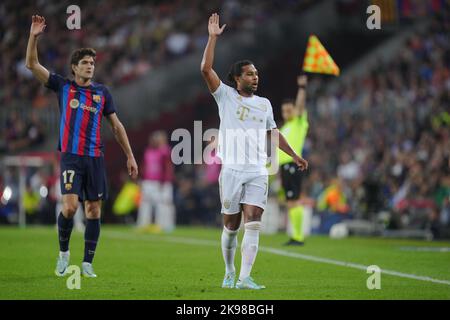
[
  {"x": 127, "y": 201},
  {"x": 208, "y": 185},
  {"x": 187, "y": 201},
  {"x": 332, "y": 206},
  {"x": 157, "y": 184},
  {"x": 333, "y": 199},
  {"x": 30, "y": 202}
]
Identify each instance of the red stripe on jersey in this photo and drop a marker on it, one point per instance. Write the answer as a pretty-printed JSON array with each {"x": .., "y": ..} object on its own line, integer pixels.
[
  {"x": 97, "y": 134},
  {"x": 84, "y": 123},
  {"x": 68, "y": 110}
]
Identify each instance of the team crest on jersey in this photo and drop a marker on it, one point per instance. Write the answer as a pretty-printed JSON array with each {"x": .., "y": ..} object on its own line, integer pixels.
[
  {"x": 227, "y": 204},
  {"x": 68, "y": 186},
  {"x": 96, "y": 98},
  {"x": 74, "y": 103}
]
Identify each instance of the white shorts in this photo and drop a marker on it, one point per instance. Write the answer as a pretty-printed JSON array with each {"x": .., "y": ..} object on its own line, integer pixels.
[{"x": 238, "y": 187}]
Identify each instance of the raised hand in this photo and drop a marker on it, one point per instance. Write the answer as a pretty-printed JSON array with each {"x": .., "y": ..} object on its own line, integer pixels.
[
  {"x": 213, "y": 25},
  {"x": 37, "y": 25}
]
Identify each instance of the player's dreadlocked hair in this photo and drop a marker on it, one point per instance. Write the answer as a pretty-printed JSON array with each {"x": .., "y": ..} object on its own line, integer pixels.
[
  {"x": 236, "y": 70},
  {"x": 79, "y": 54}
]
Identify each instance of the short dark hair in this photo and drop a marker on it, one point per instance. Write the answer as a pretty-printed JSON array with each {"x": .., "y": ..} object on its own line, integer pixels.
[
  {"x": 79, "y": 54},
  {"x": 236, "y": 70}
]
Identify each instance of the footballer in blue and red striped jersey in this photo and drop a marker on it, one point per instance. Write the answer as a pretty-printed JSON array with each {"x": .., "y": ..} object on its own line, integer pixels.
[
  {"x": 82, "y": 104},
  {"x": 82, "y": 109}
]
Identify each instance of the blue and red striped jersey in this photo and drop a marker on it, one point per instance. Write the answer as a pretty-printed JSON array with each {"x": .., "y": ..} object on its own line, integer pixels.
[{"x": 81, "y": 111}]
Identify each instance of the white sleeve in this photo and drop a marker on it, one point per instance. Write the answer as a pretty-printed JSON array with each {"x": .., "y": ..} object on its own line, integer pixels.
[
  {"x": 270, "y": 122},
  {"x": 220, "y": 94}
]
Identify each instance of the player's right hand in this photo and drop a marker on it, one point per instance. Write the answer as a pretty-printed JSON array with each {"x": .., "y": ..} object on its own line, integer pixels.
[
  {"x": 37, "y": 25},
  {"x": 213, "y": 25}
]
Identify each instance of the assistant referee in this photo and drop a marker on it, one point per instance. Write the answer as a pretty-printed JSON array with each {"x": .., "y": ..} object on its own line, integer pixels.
[{"x": 295, "y": 128}]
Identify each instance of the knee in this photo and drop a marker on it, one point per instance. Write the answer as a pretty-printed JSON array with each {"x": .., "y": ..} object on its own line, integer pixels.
[
  {"x": 69, "y": 209},
  {"x": 254, "y": 216},
  {"x": 232, "y": 225},
  {"x": 232, "y": 222},
  {"x": 93, "y": 211}
]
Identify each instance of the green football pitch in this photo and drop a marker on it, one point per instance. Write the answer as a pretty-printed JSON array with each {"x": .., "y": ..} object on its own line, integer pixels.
[{"x": 187, "y": 264}]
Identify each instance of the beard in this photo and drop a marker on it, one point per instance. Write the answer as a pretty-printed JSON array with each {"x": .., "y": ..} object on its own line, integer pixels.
[{"x": 248, "y": 89}]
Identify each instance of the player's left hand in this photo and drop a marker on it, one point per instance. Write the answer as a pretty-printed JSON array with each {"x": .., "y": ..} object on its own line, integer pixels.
[
  {"x": 300, "y": 162},
  {"x": 132, "y": 168}
]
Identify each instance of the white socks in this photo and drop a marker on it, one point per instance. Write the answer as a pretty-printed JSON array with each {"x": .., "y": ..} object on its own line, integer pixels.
[
  {"x": 249, "y": 247},
  {"x": 229, "y": 244}
]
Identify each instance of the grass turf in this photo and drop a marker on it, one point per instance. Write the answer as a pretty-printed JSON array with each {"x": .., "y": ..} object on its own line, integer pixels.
[{"x": 187, "y": 264}]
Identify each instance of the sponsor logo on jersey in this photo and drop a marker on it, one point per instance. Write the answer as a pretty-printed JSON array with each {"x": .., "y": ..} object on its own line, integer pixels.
[
  {"x": 243, "y": 113},
  {"x": 91, "y": 109},
  {"x": 74, "y": 103}
]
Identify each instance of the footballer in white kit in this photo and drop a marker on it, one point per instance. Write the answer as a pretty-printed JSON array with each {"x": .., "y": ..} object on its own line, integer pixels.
[{"x": 245, "y": 120}]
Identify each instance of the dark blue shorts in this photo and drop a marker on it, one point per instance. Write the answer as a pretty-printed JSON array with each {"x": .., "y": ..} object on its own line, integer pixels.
[{"x": 84, "y": 176}]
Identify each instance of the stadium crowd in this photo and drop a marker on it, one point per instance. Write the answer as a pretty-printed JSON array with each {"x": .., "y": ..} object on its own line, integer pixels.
[
  {"x": 21, "y": 133},
  {"x": 130, "y": 37},
  {"x": 387, "y": 136}
]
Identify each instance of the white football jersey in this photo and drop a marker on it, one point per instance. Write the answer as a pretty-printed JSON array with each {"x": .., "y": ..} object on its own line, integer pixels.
[{"x": 244, "y": 122}]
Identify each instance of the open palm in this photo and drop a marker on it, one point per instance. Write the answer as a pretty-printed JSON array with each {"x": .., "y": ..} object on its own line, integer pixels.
[
  {"x": 37, "y": 25},
  {"x": 213, "y": 25}
]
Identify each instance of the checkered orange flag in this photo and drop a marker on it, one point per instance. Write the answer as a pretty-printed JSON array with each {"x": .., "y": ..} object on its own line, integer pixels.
[{"x": 317, "y": 59}]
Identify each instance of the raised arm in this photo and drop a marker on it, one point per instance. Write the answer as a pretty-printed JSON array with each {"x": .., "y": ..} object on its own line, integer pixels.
[
  {"x": 300, "y": 101},
  {"x": 37, "y": 28},
  {"x": 210, "y": 76}
]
